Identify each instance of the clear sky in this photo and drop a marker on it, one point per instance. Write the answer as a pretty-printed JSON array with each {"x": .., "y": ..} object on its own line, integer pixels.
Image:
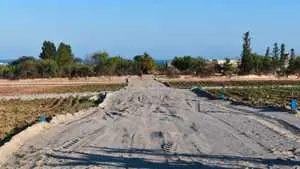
[{"x": 164, "y": 28}]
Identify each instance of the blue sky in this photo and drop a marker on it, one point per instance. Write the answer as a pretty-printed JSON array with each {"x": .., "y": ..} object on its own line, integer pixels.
[{"x": 164, "y": 28}]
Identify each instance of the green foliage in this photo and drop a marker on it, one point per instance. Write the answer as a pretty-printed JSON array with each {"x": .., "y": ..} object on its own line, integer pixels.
[
  {"x": 207, "y": 69},
  {"x": 121, "y": 66},
  {"x": 182, "y": 63},
  {"x": 28, "y": 69},
  {"x": 80, "y": 70},
  {"x": 188, "y": 65},
  {"x": 9, "y": 72},
  {"x": 294, "y": 67},
  {"x": 282, "y": 56},
  {"x": 62, "y": 63},
  {"x": 64, "y": 55},
  {"x": 276, "y": 51},
  {"x": 261, "y": 96},
  {"x": 101, "y": 60},
  {"x": 48, "y": 50},
  {"x": 247, "y": 62},
  {"x": 267, "y": 51},
  {"x": 227, "y": 68},
  {"x": 144, "y": 63},
  {"x": 48, "y": 68},
  {"x": 276, "y": 59},
  {"x": 292, "y": 54},
  {"x": 282, "y": 52},
  {"x": 22, "y": 59},
  {"x": 262, "y": 64}
]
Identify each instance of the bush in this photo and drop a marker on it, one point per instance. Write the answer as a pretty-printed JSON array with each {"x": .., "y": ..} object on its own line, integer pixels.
[
  {"x": 48, "y": 68},
  {"x": 28, "y": 69}
]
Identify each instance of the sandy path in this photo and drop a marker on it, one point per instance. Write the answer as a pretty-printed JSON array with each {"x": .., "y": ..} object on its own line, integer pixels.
[{"x": 147, "y": 125}]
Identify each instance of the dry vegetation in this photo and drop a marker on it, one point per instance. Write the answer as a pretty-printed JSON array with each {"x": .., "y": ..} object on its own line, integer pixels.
[
  {"x": 262, "y": 96},
  {"x": 17, "y": 115},
  {"x": 12, "y": 91},
  {"x": 251, "y": 90}
]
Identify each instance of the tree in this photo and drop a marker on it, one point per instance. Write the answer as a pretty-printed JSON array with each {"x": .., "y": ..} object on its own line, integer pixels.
[
  {"x": 22, "y": 59},
  {"x": 267, "y": 65},
  {"x": 294, "y": 67},
  {"x": 227, "y": 67},
  {"x": 101, "y": 59},
  {"x": 120, "y": 66},
  {"x": 190, "y": 65},
  {"x": 182, "y": 63},
  {"x": 48, "y": 68},
  {"x": 247, "y": 61},
  {"x": 48, "y": 50},
  {"x": 81, "y": 70},
  {"x": 292, "y": 54},
  {"x": 282, "y": 55},
  {"x": 144, "y": 63},
  {"x": 276, "y": 51},
  {"x": 276, "y": 61},
  {"x": 199, "y": 66},
  {"x": 267, "y": 51},
  {"x": 9, "y": 71},
  {"x": 64, "y": 55},
  {"x": 28, "y": 69}
]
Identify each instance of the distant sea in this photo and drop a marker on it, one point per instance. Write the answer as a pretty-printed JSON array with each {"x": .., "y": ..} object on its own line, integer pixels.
[{"x": 4, "y": 61}]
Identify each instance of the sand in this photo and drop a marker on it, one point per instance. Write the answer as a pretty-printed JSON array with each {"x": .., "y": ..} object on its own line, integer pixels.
[{"x": 147, "y": 125}]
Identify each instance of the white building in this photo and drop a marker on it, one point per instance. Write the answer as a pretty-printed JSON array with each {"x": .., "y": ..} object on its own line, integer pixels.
[{"x": 234, "y": 62}]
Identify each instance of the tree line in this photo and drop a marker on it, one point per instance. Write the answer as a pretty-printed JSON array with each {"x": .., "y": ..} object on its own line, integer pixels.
[
  {"x": 278, "y": 61},
  {"x": 60, "y": 62}
]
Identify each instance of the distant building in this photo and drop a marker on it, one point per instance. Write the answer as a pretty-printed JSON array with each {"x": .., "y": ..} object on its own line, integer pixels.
[
  {"x": 234, "y": 62},
  {"x": 286, "y": 60}
]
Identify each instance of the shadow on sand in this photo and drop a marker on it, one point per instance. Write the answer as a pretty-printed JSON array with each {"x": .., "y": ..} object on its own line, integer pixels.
[{"x": 122, "y": 158}]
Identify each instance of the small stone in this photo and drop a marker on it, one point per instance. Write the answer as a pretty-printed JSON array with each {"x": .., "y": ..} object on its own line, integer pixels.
[{"x": 297, "y": 152}]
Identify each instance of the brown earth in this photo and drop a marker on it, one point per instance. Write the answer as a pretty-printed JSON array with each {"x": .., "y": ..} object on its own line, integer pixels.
[{"x": 39, "y": 86}]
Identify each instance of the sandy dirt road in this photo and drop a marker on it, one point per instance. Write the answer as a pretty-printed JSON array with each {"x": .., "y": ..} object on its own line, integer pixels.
[{"x": 147, "y": 125}]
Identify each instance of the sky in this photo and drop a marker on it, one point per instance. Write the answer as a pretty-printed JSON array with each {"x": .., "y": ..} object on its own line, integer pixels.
[{"x": 163, "y": 28}]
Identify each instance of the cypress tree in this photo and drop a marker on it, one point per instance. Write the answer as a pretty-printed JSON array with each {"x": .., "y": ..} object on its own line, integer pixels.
[
  {"x": 246, "y": 59},
  {"x": 292, "y": 54},
  {"x": 282, "y": 54},
  {"x": 48, "y": 50},
  {"x": 267, "y": 51}
]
